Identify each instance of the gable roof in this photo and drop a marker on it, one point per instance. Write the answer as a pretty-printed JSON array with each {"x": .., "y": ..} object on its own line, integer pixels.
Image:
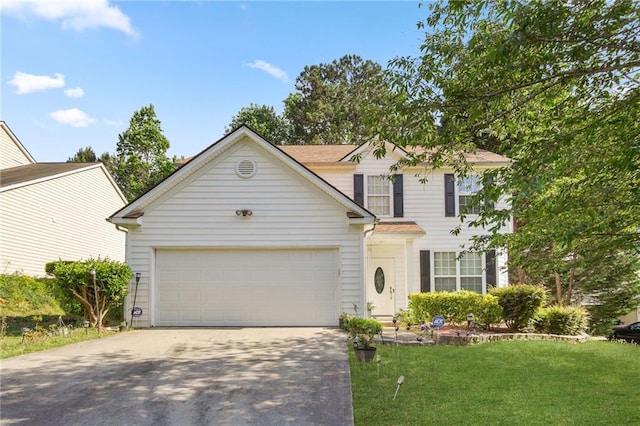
[
  {"x": 479, "y": 156},
  {"x": 132, "y": 211},
  {"x": 20, "y": 175},
  {"x": 342, "y": 154},
  {"x": 30, "y": 174},
  {"x": 317, "y": 153}
]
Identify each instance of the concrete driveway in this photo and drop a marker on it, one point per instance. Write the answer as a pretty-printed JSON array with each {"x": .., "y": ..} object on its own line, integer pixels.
[{"x": 243, "y": 376}]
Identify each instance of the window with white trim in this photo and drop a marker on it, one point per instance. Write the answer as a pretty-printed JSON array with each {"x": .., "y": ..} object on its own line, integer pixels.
[
  {"x": 444, "y": 271},
  {"x": 467, "y": 188},
  {"x": 452, "y": 274},
  {"x": 378, "y": 195},
  {"x": 471, "y": 272}
]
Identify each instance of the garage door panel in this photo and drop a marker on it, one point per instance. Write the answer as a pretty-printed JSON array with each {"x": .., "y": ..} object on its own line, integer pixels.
[{"x": 246, "y": 287}]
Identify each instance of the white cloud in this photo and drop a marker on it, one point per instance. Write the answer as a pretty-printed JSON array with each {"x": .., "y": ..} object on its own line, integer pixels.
[
  {"x": 270, "y": 69},
  {"x": 113, "y": 123},
  {"x": 76, "y": 92},
  {"x": 29, "y": 83},
  {"x": 78, "y": 15},
  {"x": 73, "y": 117}
]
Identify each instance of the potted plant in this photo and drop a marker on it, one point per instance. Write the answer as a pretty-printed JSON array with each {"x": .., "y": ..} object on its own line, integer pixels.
[{"x": 361, "y": 332}]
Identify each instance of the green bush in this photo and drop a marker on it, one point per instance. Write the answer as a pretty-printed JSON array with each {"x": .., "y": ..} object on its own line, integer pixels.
[
  {"x": 563, "y": 320},
  {"x": 98, "y": 293},
  {"x": 363, "y": 330},
  {"x": 519, "y": 304},
  {"x": 23, "y": 296},
  {"x": 455, "y": 306}
]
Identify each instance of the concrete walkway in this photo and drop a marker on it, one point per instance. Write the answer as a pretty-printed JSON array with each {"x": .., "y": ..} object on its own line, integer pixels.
[{"x": 246, "y": 376}]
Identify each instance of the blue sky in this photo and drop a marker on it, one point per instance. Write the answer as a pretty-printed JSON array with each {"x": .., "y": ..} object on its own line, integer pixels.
[{"x": 74, "y": 73}]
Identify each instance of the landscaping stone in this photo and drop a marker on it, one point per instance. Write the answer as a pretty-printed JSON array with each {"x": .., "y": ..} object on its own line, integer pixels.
[{"x": 463, "y": 337}]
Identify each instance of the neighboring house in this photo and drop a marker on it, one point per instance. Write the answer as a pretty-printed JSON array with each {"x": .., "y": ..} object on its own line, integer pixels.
[
  {"x": 250, "y": 234},
  {"x": 52, "y": 211},
  {"x": 631, "y": 317}
]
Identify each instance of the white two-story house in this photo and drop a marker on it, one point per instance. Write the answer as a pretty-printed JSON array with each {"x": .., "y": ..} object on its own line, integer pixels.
[{"x": 250, "y": 234}]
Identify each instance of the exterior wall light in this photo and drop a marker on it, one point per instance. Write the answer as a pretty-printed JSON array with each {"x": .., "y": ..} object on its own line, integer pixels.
[{"x": 244, "y": 212}]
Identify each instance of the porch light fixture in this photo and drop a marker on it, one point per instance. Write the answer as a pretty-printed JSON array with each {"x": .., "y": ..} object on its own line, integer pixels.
[{"x": 244, "y": 212}]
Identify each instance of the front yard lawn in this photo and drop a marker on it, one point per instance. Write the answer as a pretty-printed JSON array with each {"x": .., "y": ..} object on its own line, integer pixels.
[
  {"x": 500, "y": 383},
  {"x": 12, "y": 343}
]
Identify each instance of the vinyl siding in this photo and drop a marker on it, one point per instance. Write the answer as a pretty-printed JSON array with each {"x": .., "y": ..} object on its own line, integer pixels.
[
  {"x": 62, "y": 218},
  {"x": 10, "y": 153},
  {"x": 424, "y": 204},
  {"x": 288, "y": 212}
]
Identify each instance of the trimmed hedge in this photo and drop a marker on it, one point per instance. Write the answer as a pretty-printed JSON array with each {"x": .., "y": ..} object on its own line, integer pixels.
[
  {"x": 455, "y": 306},
  {"x": 563, "y": 320},
  {"x": 519, "y": 303}
]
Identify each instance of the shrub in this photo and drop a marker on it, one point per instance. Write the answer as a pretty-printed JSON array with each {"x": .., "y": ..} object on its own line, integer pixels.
[
  {"x": 564, "y": 320},
  {"x": 519, "y": 304},
  {"x": 97, "y": 293},
  {"x": 363, "y": 330},
  {"x": 23, "y": 296},
  {"x": 455, "y": 306}
]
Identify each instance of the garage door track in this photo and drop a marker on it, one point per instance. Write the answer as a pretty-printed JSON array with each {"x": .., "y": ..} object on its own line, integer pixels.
[{"x": 244, "y": 376}]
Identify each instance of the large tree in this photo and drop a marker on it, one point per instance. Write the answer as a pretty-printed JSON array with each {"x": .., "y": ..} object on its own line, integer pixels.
[
  {"x": 141, "y": 155},
  {"x": 554, "y": 85},
  {"x": 331, "y": 101},
  {"x": 88, "y": 155},
  {"x": 264, "y": 120},
  {"x": 84, "y": 155}
]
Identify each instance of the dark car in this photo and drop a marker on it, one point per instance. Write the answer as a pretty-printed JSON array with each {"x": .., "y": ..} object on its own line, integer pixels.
[{"x": 629, "y": 332}]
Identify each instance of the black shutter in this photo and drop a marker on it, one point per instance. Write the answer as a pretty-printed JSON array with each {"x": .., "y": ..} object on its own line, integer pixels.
[
  {"x": 491, "y": 271},
  {"x": 425, "y": 271},
  {"x": 398, "y": 202},
  {"x": 449, "y": 195},
  {"x": 358, "y": 189}
]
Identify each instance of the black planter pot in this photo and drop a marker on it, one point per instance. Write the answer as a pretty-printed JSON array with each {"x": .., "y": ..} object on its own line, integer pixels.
[{"x": 365, "y": 355}]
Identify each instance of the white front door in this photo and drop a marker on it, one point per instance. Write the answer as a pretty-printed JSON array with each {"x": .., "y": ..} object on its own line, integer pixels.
[{"x": 381, "y": 286}]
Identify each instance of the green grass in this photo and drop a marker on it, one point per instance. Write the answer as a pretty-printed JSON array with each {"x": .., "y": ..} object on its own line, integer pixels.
[
  {"x": 13, "y": 343},
  {"x": 500, "y": 383}
]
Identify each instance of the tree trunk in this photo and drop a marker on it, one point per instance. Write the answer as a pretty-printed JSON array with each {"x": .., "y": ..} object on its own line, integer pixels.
[{"x": 558, "y": 289}]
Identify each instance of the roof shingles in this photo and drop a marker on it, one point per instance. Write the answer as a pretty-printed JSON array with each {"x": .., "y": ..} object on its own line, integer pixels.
[{"x": 30, "y": 172}]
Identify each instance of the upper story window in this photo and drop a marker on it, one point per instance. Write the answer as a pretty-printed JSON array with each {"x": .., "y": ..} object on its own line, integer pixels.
[
  {"x": 459, "y": 194},
  {"x": 467, "y": 188},
  {"x": 378, "y": 195}
]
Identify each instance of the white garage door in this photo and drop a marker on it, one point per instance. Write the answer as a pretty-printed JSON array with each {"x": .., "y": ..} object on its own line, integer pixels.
[{"x": 246, "y": 287}]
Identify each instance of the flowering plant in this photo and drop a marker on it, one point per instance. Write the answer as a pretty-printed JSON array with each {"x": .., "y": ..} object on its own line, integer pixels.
[{"x": 362, "y": 331}]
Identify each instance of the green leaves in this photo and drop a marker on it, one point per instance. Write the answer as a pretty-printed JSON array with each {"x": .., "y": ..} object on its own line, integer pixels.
[
  {"x": 554, "y": 86},
  {"x": 141, "y": 161},
  {"x": 22, "y": 296},
  {"x": 333, "y": 101},
  {"x": 264, "y": 120}
]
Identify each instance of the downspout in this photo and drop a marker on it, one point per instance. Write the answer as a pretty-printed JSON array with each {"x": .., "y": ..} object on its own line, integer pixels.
[{"x": 365, "y": 263}]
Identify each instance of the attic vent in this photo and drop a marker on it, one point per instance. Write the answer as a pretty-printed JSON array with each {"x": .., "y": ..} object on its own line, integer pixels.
[{"x": 246, "y": 169}]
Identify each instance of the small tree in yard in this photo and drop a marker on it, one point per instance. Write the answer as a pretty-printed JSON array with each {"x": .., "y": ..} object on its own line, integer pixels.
[{"x": 98, "y": 292}]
